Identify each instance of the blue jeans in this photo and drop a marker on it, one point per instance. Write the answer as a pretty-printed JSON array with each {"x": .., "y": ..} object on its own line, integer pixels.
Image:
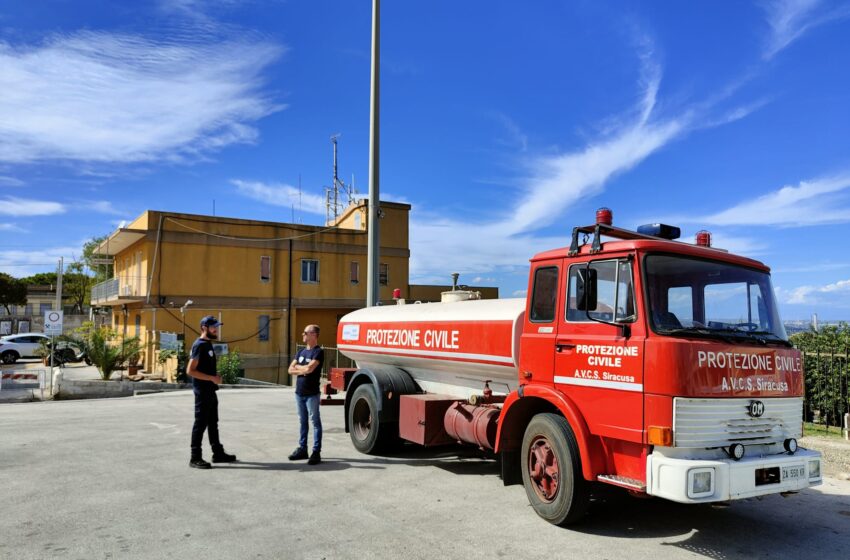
[{"x": 309, "y": 404}]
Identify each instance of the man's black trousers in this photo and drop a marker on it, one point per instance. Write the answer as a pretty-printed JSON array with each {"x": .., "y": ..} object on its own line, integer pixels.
[{"x": 206, "y": 418}]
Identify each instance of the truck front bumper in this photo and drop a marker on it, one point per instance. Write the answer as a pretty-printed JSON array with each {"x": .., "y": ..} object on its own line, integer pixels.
[{"x": 699, "y": 481}]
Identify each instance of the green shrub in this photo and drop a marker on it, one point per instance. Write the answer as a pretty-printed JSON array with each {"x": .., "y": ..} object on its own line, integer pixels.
[
  {"x": 103, "y": 347},
  {"x": 229, "y": 366}
]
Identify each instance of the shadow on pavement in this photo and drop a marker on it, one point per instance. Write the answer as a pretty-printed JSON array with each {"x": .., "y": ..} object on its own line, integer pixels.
[
  {"x": 771, "y": 527},
  {"x": 325, "y": 465}
]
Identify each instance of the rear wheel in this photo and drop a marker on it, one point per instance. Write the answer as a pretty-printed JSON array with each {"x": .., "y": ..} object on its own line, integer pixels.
[
  {"x": 367, "y": 433},
  {"x": 551, "y": 470},
  {"x": 9, "y": 357}
]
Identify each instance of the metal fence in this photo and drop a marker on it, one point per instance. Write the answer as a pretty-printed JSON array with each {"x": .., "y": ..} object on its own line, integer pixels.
[
  {"x": 105, "y": 290},
  {"x": 826, "y": 362}
]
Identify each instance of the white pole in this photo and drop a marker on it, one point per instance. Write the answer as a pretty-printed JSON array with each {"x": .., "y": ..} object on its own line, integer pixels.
[
  {"x": 373, "y": 251},
  {"x": 58, "y": 306}
]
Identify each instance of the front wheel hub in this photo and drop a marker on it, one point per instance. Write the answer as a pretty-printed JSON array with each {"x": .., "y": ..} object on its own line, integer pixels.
[{"x": 543, "y": 469}]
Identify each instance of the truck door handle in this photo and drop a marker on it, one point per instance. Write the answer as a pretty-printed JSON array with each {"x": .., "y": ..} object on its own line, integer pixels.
[{"x": 561, "y": 346}]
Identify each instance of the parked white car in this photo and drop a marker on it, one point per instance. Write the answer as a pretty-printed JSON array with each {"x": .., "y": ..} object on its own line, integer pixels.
[{"x": 16, "y": 346}]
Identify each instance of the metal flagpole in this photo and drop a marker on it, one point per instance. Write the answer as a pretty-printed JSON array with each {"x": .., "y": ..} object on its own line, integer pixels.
[{"x": 372, "y": 286}]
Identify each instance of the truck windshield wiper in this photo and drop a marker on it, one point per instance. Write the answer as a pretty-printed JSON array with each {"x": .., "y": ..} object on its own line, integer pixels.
[
  {"x": 700, "y": 331},
  {"x": 771, "y": 337}
]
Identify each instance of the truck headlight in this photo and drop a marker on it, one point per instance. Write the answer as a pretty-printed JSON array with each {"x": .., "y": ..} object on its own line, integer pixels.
[
  {"x": 700, "y": 483},
  {"x": 814, "y": 469}
]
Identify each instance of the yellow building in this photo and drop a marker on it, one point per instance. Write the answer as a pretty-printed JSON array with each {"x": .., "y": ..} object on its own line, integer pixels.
[{"x": 265, "y": 280}]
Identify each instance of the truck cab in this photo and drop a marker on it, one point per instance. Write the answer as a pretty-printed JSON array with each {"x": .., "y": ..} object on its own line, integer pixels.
[{"x": 674, "y": 363}]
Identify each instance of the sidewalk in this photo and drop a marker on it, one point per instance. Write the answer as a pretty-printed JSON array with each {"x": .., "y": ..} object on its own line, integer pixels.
[{"x": 80, "y": 381}]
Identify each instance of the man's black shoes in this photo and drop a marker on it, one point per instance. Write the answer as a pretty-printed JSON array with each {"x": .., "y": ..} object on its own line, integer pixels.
[
  {"x": 299, "y": 453},
  {"x": 199, "y": 464},
  {"x": 223, "y": 457},
  {"x": 315, "y": 458}
]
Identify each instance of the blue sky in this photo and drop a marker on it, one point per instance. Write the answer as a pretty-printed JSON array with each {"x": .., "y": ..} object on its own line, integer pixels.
[{"x": 504, "y": 124}]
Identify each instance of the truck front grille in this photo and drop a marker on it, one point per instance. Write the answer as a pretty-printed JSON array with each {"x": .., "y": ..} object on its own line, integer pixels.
[{"x": 706, "y": 423}]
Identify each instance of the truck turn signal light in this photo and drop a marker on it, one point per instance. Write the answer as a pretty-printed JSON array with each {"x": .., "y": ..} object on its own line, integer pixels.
[{"x": 660, "y": 435}]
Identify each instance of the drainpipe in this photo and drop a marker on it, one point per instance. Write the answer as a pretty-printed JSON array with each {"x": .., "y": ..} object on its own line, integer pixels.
[{"x": 289, "y": 310}]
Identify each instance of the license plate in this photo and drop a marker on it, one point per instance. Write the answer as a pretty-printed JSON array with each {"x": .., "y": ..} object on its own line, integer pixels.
[{"x": 793, "y": 473}]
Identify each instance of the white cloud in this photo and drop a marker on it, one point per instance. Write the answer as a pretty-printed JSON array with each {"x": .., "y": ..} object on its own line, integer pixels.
[
  {"x": 26, "y": 263},
  {"x": 557, "y": 182},
  {"x": 11, "y": 182},
  {"x": 14, "y": 206},
  {"x": 11, "y": 227},
  {"x": 281, "y": 194},
  {"x": 836, "y": 294},
  {"x": 102, "y": 207},
  {"x": 816, "y": 201},
  {"x": 108, "y": 97},
  {"x": 791, "y": 19},
  {"x": 520, "y": 293}
]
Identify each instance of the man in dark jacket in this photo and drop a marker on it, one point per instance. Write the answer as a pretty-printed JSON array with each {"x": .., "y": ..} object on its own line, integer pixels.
[
  {"x": 307, "y": 366},
  {"x": 205, "y": 382}
]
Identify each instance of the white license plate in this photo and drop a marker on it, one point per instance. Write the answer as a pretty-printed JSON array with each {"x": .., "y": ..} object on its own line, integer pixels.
[{"x": 793, "y": 473}]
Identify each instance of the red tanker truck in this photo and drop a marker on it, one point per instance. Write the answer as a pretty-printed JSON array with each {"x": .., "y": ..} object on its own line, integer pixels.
[{"x": 636, "y": 360}]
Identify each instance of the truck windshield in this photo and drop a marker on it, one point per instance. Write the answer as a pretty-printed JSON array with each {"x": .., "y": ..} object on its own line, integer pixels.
[{"x": 693, "y": 297}]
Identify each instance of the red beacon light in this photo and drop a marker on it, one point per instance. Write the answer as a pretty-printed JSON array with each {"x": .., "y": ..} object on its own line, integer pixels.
[
  {"x": 604, "y": 216},
  {"x": 704, "y": 238},
  {"x": 397, "y": 293}
]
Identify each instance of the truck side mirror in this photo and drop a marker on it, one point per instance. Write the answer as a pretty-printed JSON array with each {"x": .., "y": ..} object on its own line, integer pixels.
[{"x": 586, "y": 289}]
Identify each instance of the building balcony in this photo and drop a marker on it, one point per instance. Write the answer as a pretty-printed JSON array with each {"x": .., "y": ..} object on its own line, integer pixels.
[{"x": 114, "y": 292}]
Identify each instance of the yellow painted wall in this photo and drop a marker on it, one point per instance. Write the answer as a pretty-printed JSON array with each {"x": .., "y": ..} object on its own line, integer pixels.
[{"x": 197, "y": 259}]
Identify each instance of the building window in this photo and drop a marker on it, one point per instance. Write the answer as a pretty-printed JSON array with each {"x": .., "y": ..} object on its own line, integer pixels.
[
  {"x": 355, "y": 272},
  {"x": 265, "y": 269},
  {"x": 309, "y": 271},
  {"x": 264, "y": 328},
  {"x": 138, "y": 325},
  {"x": 384, "y": 274},
  {"x": 44, "y": 308}
]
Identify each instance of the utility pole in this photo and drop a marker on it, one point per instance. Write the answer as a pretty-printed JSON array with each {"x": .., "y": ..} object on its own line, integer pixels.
[
  {"x": 58, "y": 306},
  {"x": 374, "y": 257}
]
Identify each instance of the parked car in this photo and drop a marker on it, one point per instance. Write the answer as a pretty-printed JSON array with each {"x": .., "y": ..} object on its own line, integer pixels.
[{"x": 16, "y": 346}]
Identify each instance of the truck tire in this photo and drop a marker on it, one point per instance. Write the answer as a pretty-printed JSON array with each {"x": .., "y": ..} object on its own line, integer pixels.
[
  {"x": 551, "y": 470},
  {"x": 10, "y": 357},
  {"x": 363, "y": 421}
]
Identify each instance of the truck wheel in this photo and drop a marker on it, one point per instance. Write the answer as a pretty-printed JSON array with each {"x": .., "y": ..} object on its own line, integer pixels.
[
  {"x": 10, "y": 357},
  {"x": 363, "y": 421},
  {"x": 551, "y": 470}
]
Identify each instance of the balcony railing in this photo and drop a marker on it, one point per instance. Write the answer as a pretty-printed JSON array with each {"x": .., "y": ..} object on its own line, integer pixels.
[{"x": 104, "y": 291}]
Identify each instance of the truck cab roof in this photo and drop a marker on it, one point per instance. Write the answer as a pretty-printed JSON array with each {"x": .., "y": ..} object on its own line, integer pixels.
[{"x": 649, "y": 245}]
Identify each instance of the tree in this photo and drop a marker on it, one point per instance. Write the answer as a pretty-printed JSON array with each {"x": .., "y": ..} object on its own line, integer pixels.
[
  {"x": 76, "y": 286},
  {"x": 101, "y": 271},
  {"x": 40, "y": 279},
  {"x": 12, "y": 292}
]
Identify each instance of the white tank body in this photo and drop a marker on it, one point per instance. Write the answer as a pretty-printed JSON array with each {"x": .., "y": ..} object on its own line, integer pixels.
[{"x": 448, "y": 348}]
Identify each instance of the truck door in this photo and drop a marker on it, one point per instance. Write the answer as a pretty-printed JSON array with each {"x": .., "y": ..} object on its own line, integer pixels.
[
  {"x": 537, "y": 348},
  {"x": 599, "y": 351}
]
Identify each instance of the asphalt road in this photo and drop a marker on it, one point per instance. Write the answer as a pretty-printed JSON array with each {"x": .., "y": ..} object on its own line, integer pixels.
[{"x": 110, "y": 479}]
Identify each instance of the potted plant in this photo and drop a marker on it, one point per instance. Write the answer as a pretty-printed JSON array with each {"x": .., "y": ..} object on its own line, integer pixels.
[
  {"x": 133, "y": 353},
  {"x": 43, "y": 351}
]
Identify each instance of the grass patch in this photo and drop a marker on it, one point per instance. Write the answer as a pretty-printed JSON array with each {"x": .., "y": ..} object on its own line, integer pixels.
[{"x": 810, "y": 429}]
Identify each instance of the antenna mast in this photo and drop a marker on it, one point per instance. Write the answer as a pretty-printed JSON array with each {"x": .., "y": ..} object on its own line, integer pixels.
[{"x": 333, "y": 195}]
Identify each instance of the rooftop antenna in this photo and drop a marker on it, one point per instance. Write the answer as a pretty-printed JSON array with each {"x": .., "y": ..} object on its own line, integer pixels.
[{"x": 333, "y": 194}]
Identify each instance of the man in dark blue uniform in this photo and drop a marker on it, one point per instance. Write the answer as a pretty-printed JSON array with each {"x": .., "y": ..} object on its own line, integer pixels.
[
  {"x": 205, "y": 382},
  {"x": 307, "y": 366}
]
